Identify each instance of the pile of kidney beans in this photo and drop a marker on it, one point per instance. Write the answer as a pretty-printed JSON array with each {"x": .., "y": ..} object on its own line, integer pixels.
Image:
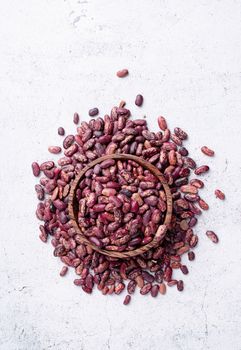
[{"x": 121, "y": 204}]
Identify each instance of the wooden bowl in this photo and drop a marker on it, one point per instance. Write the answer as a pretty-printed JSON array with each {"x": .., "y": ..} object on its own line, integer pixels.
[{"x": 73, "y": 207}]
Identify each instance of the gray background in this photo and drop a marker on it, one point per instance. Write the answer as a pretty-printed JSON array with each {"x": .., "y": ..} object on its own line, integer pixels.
[{"x": 58, "y": 57}]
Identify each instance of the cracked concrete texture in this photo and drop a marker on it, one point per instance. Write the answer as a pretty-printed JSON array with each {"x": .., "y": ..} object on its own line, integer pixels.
[{"x": 58, "y": 57}]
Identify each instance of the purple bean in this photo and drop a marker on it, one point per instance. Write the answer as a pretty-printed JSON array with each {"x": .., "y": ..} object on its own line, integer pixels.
[
  {"x": 139, "y": 100},
  {"x": 93, "y": 112},
  {"x": 35, "y": 169}
]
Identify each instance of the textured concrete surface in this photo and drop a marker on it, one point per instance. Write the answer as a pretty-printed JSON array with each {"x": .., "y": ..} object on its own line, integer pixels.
[{"x": 58, "y": 57}]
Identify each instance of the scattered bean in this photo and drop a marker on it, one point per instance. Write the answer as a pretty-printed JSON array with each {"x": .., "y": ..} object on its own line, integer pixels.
[
  {"x": 93, "y": 112},
  {"x": 207, "y": 151},
  {"x": 212, "y": 236},
  {"x": 219, "y": 194},
  {"x": 122, "y": 73},
  {"x": 61, "y": 131},
  {"x": 35, "y": 169},
  {"x": 139, "y": 100}
]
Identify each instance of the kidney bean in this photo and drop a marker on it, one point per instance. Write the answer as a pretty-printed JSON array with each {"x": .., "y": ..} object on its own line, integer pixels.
[
  {"x": 76, "y": 118},
  {"x": 192, "y": 197},
  {"x": 35, "y": 169},
  {"x": 108, "y": 191},
  {"x": 146, "y": 288},
  {"x": 184, "y": 269},
  {"x": 180, "y": 133},
  {"x": 162, "y": 123},
  {"x": 60, "y": 205},
  {"x": 93, "y": 112},
  {"x": 131, "y": 286},
  {"x": 91, "y": 155},
  {"x": 122, "y": 73},
  {"x": 212, "y": 236},
  {"x": 43, "y": 234},
  {"x": 59, "y": 251},
  {"x": 119, "y": 288},
  {"x": 149, "y": 192},
  {"x": 166, "y": 135},
  {"x": 78, "y": 282},
  {"x": 183, "y": 151},
  {"x": 50, "y": 186},
  {"x": 184, "y": 172},
  {"x": 40, "y": 192},
  {"x": 176, "y": 139},
  {"x": 192, "y": 222},
  {"x": 71, "y": 150},
  {"x": 189, "y": 189},
  {"x": 190, "y": 163},
  {"x": 89, "y": 281},
  {"x": 201, "y": 170},
  {"x": 181, "y": 181},
  {"x": 127, "y": 300},
  {"x": 147, "y": 276},
  {"x": 63, "y": 271},
  {"x": 135, "y": 242},
  {"x": 162, "y": 288},
  {"x": 87, "y": 135},
  {"x": 207, "y": 151},
  {"x": 154, "y": 290},
  {"x": 54, "y": 149},
  {"x": 61, "y": 131},
  {"x": 146, "y": 240},
  {"x": 168, "y": 146},
  {"x": 180, "y": 286},
  {"x": 46, "y": 165},
  {"x": 197, "y": 183},
  {"x": 68, "y": 141},
  {"x": 203, "y": 205},
  {"x": 91, "y": 200},
  {"x": 123, "y": 111},
  {"x": 151, "y": 200},
  {"x": 172, "y": 283},
  {"x": 111, "y": 148},
  {"x": 193, "y": 242},
  {"x": 219, "y": 194},
  {"x": 153, "y": 159},
  {"x": 194, "y": 209},
  {"x": 139, "y": 100},
  {"x": 191, "y": 256},
  {"x": 139, "y": 280}
]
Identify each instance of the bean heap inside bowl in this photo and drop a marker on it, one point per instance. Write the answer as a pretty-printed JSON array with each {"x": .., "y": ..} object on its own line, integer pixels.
[{"x": 121, "y": 205}]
